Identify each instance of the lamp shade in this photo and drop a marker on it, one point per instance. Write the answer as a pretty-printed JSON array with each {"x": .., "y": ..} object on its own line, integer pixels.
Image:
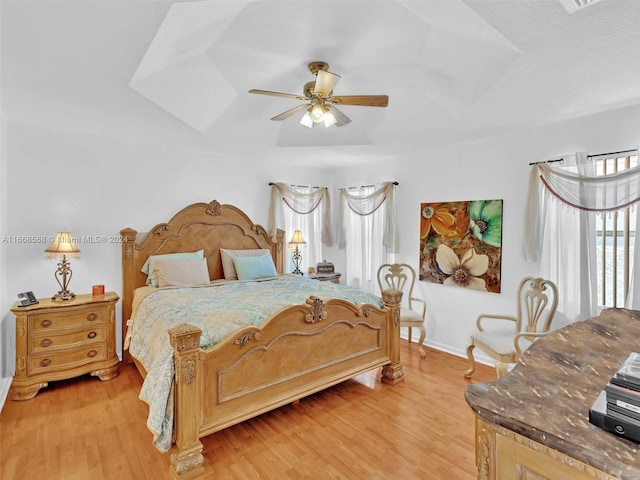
[
  {"x": 297, "y": 238},
  {"x": 63, "y": 244}
]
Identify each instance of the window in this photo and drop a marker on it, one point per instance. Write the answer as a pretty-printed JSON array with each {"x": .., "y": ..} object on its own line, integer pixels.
[
  {"x": 310, "y": 225},
  {"x": 367, "y": 229},
  {"x": 615, "y": 240}
]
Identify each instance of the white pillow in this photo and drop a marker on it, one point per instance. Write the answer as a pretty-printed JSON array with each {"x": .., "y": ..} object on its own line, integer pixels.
[
  {"x": 149, "y": 265},
  {"x": 227, "y": 257},
  {"x": 252, "y": 268},
  {"x": 182, "y": 272}
]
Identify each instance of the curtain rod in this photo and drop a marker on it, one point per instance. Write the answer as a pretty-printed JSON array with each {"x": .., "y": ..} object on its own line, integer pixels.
[
  {"x": 548, "y": 161},
  {"x": 301, "y": 186},
  {"x": 622, "y": 152},
  {"x": 364, "y": 186}
]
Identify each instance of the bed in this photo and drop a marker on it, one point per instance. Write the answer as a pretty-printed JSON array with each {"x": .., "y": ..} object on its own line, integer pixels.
[{"x": 297, "y": 350}]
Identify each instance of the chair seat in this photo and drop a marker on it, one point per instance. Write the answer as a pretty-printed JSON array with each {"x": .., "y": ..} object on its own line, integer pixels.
[
  {"x": 410, "y": 316},
  {"x": 500, "y": 341}
]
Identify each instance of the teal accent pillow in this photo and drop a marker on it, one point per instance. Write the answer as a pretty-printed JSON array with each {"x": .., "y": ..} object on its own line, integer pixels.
[
  {"x": 252, "y": 268},
  {"x": 149, "y": 266}
]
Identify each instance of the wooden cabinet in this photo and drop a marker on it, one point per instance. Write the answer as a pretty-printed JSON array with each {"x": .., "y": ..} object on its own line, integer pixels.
[
  {"x": 502, "y": 454},
  {"x": 56, "y": 340}
]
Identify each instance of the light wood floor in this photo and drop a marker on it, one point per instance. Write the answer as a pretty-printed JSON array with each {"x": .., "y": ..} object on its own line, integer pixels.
[{"x": 86, "y": 429}]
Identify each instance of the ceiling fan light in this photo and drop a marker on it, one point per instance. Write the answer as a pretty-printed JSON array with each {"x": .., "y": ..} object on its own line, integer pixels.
[
  {"x": 306, "y": 119},
  {"x": 317, "y": 112},
  {"x": 329, "y": 119}
]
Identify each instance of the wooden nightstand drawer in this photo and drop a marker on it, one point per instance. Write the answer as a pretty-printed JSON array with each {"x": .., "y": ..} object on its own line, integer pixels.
[
  {"x": 69, "y": 319},
  {"x": 57, "y": 339},
  {"x": 69, "y": 359}
]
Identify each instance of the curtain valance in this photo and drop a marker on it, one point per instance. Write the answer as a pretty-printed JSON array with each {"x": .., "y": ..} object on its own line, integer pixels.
[
  {"x": 582, "y": 190},
  {"x": 301, "y": 203},
  {"x": 596, "y": 194}
]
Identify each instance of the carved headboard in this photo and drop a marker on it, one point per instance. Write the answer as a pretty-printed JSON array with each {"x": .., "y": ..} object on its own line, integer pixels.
[{"x": 207, "y": 226}]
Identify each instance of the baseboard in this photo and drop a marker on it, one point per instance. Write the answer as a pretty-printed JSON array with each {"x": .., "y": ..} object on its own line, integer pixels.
[
  {"x": 477, "y": 354},
  {"x": 5, "y": 383}
]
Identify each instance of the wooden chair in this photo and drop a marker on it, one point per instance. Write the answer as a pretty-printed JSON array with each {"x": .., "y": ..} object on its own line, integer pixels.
[
  {"x": 401, "y": 276},
  {"x": 537, "y": 304}
]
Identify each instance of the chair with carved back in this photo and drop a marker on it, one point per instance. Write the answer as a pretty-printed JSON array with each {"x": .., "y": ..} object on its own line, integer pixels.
[
  {"x": 402, "y": 277},
  {"x": 506, "y": 340}
]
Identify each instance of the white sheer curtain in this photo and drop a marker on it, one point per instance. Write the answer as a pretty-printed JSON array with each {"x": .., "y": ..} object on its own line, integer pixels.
[
  {"x": 633, "y": 298},
  {"x": 303, "y": 208},
  {"x": 560, "y": 227},
  {"x": 367, "y": 229}
]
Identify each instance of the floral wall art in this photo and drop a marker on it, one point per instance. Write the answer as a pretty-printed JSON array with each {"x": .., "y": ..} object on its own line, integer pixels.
[{"x": 461, "y": 244}]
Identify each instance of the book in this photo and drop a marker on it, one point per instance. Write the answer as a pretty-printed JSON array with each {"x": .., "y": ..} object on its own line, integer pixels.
[{"x": 629, "y": 371}]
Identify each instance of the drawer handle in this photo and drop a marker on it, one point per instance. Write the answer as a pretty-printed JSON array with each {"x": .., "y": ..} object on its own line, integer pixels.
[
  {"x": 91, "y": 317},
  {"x": 91, "y": 353},
  {"x": 45, "y": 323},
  {"x": 46, "y": 342},
  {"x": 45, "y": 362},
  {"x": 92, "y": 335}
]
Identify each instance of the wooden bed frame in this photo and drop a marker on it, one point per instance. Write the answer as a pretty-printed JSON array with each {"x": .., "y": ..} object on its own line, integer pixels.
[{"x": 298, "y": 351}]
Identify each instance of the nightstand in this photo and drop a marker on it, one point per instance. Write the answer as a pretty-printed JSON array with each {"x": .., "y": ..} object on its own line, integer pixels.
[
  {"x": 326, "y": 277},
  {"x": 61, "y": 339}
]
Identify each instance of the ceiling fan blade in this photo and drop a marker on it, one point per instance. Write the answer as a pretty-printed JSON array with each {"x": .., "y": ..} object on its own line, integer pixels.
[
  {"x": 291, "y": 111},
  {"x": 277, "y": 94},
  {"x": 362, "y": 100},
  {"x": 325, "y": 83},
  {"x": 341, "y": 118}
]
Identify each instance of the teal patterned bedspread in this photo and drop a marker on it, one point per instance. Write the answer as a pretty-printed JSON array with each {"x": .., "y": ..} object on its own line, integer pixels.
[{"x": 218, "y": 310}]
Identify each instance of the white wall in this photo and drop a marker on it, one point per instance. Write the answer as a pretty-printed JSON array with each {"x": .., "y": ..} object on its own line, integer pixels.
[
  {"x": 486, "y": 169},
  {"x": 7, "y": 328}
]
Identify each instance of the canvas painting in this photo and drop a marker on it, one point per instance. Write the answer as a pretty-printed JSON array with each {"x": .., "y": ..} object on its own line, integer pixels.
[{"x": 461, "y": 244}]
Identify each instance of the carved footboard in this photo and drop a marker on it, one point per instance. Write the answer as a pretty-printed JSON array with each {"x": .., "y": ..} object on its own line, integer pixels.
[{"x": 299, "y": 351}]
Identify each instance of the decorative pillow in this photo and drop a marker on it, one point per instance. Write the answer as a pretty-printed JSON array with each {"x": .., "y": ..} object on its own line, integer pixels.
[
  {"x": 149, "y": 265},
  {"x": 227, "y": 256},
  {"x": 182, "y": 272},
  {"x": 252, "y": 268}
]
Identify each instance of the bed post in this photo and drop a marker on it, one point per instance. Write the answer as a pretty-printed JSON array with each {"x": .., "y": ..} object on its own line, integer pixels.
[
  {"x": 280, "y": 251},
  {"x": 128, "y": 236},
  {"x": 187, "y": 461},
  {"x": 393, "y": 373}
]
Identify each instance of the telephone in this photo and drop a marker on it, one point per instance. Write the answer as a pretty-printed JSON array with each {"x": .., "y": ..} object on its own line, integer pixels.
[{"x": 29, "y": 299}]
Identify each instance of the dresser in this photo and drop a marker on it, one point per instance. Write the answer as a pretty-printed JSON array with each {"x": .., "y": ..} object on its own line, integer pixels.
[
  {"x": 533, "y": 423},
  {"x": 57, "y": 340}
]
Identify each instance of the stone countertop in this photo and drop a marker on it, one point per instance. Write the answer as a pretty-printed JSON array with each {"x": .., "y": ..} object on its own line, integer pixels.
[{"x": 548, "y": 394}]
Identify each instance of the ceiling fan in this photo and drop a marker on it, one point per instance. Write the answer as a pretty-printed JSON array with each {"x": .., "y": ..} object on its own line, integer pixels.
[{"x": 320, "y": 103}]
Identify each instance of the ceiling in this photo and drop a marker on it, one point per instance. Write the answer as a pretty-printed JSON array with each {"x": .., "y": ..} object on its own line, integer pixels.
[{"x": 179, "y": 73}]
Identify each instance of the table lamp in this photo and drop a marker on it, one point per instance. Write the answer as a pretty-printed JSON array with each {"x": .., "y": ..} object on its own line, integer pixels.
[
  {"x": 62, "y": 246},
  {"x": 297, "y": 239}
]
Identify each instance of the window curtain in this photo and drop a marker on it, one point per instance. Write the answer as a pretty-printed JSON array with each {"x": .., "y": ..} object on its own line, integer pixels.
[
  {"x": 367, "y": 230},
  {"x": 308, "y": 210},
  {"x": 560, "y": 224},
  {"x": 633, "y": 298},
  {"x": 303, "y": 201}
]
